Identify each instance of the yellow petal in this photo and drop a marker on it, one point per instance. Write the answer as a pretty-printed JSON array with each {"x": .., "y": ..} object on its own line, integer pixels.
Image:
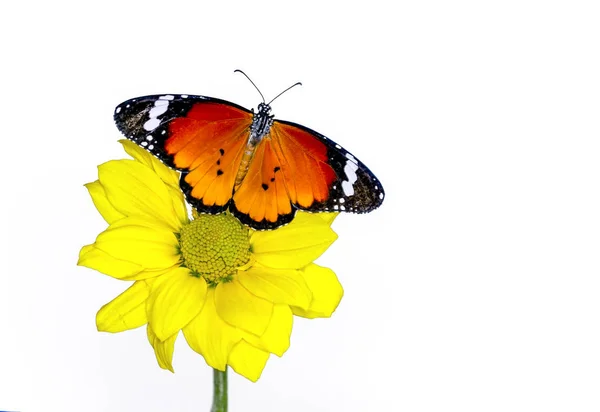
[
  {"x": 178, "y": 203},
  {"x": 137, "y": 240},
  {"x": 135, "y": 190},
  {"x": 277, "y": 285},
  {"x": 276, "y": 338},
  {"x": 96, "y": 259},
  {"x": 328, "y": 217},
  {"x": 248, "y": 360},
  {"x": 326, "y": 290},
  {"x": 175, "y": 302},
  {"x": 210, "y": 336},
  {"x": 163, "y": 350},
  {"x": 240, "y": 308},
  {"x": 150, "y": 274},
  {"x": 126, "y": 311},
  {"x": 106, "y": 209},
  {"x": 167, "y": 175},
  {"x": 295, "y": 245}
]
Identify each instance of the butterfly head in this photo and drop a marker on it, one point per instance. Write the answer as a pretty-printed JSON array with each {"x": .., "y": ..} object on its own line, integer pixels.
[
  {"x": 264, "y": 109},
  {"x": 261, "y": 122}
]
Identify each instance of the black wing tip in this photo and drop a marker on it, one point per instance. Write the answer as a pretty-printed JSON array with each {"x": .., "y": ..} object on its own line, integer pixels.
[{"x": 179, "y": 97}]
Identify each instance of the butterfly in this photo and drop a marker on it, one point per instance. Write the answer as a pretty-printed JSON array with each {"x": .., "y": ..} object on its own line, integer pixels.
[{"x": 259, "y": 168}]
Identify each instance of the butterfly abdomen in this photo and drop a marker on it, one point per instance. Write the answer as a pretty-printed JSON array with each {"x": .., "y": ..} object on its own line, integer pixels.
[{"x": 245, "y": 163}]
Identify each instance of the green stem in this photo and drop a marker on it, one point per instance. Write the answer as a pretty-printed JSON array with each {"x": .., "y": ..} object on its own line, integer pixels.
[{"x": 219, "y": 391}]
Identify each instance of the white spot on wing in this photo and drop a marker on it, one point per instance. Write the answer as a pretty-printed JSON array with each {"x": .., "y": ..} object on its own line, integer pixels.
[
  {"x": 158, "y": 110},
  {"x": 160, "y": 107},
  {"x": 151, "y": 124},
  {"x": 350, "y": 170},
  {"x": 350, "y": 157},
  {"x": 118, "y": 110},
  {"x": 185, "y": 96},
  {"x": 347, "y": 188}
]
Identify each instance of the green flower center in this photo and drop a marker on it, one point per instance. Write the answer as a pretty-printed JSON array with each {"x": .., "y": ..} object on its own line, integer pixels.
[{"x": 214, "y": 247}]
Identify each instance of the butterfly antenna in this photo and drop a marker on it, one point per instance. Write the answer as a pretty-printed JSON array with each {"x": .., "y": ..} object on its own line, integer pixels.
[
  {"x": 261, "y": 95},
  {"x": 293, "y": 85}
]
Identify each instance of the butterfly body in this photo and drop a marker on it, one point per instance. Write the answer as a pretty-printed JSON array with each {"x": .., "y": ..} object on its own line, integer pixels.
[
  {"x": 260, "y": 127},
  {"x": 260, "y": 168}
]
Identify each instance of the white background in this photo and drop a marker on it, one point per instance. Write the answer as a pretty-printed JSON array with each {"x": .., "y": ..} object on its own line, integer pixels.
[{"x": 475, "y": 287}]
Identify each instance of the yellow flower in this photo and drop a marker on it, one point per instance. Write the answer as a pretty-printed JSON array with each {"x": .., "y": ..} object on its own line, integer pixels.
[{"x": 231, "y": 290}]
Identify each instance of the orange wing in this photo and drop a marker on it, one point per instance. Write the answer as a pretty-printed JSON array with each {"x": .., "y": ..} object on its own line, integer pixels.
[
  {"x": 289, "y": 169},
  {"x": 202, "y": 137},
  {"x": 304, "y": 164},
  {"x": 297, "y": 168},
  {"x": 208, "y": 145},
  {"x": 262, "y": 200}
]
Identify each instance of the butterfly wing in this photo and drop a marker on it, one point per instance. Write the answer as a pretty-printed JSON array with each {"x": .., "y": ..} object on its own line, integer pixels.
[
  {"x": 262, "y": 200},
  {"x": 200, "y": 136},
  {"x": 295, "y": 167},
  {"x": 321, "y": 175}
]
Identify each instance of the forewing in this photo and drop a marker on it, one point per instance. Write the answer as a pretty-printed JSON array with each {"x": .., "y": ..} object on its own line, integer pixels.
[
  {"x": 201, "y": 136},
  {"x": 320, "y": 175}
]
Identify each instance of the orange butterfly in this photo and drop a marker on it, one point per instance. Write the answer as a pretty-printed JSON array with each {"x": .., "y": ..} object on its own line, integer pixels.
[{"x": 259, "y": 168}]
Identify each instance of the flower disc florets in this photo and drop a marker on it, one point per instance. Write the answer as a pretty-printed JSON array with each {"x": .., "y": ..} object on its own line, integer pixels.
[{"x": 214, "y": 247}]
